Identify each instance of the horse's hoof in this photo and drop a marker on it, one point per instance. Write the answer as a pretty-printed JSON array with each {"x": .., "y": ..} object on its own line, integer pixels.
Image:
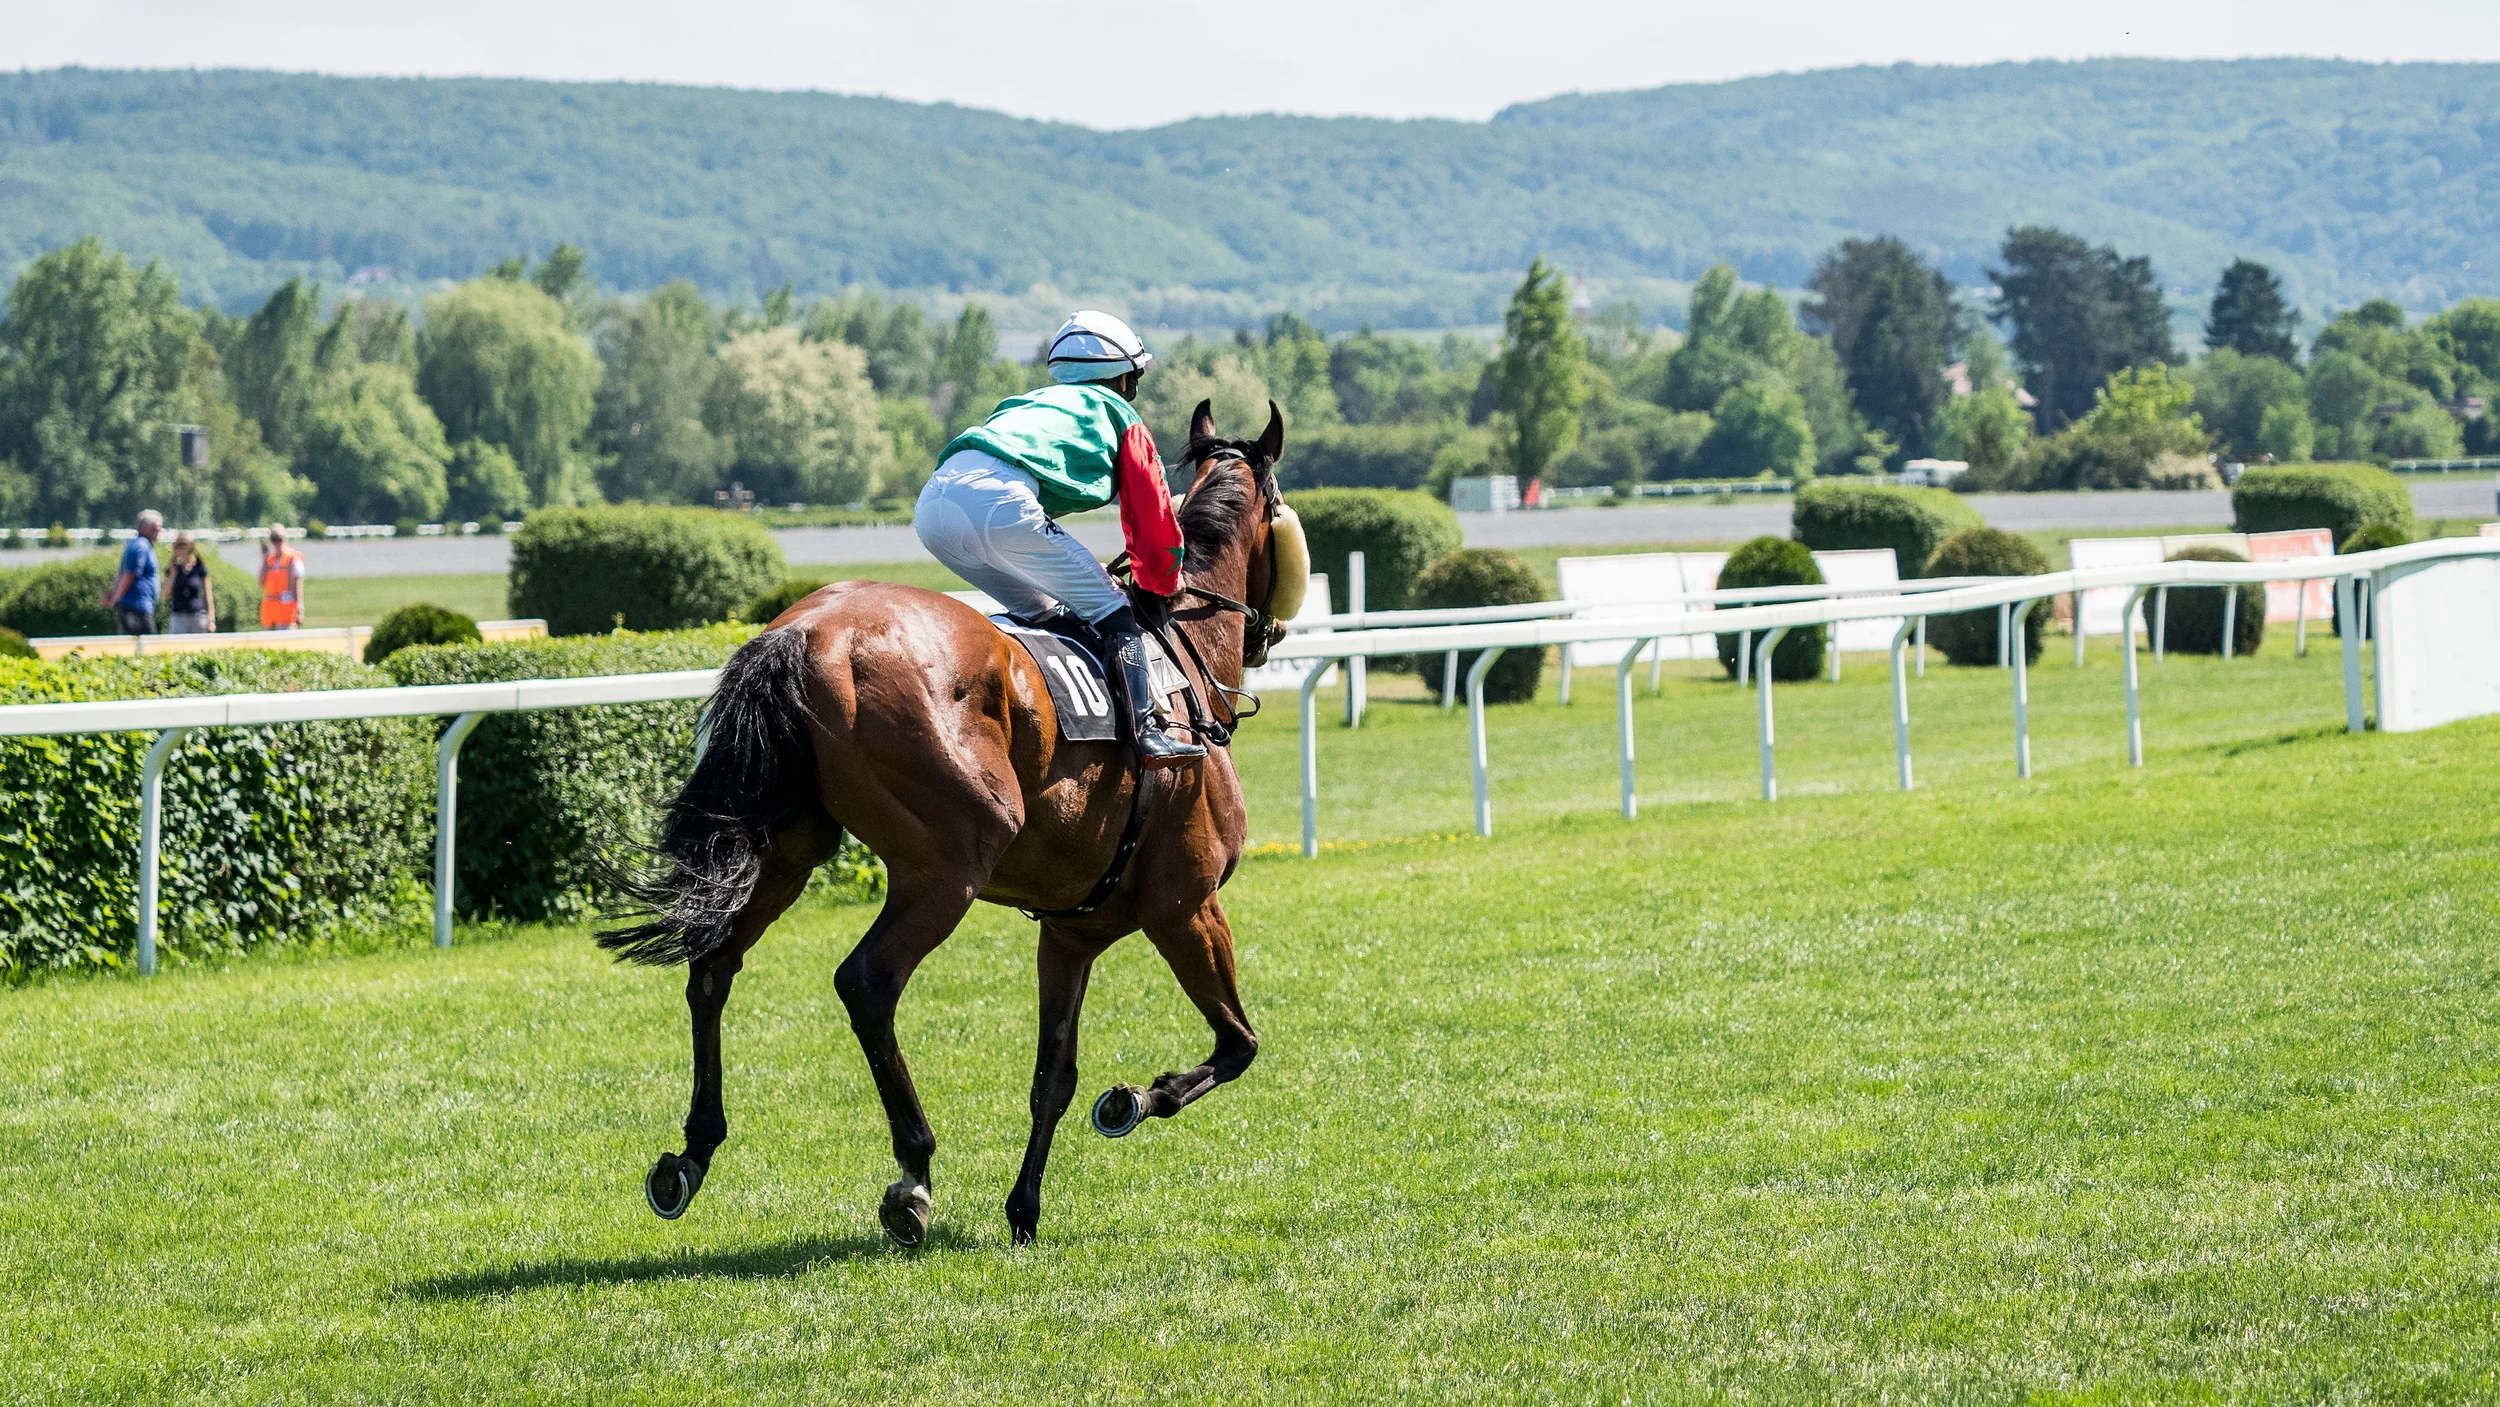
[
  {"x": 905, "y": 1213},
  {"x": 671, "y": 1186},
  {"x": 1120, "y": 1110}
]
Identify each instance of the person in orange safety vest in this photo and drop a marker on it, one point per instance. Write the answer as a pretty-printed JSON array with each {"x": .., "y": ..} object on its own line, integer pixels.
[{"x": 281, "y": 583}]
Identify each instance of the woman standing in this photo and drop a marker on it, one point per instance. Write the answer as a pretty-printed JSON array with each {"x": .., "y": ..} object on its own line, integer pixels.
[{"x": 190, "y": 606}]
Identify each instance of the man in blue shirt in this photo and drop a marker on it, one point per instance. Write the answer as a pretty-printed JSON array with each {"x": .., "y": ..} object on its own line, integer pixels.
[{"x": 133, "y": 594}]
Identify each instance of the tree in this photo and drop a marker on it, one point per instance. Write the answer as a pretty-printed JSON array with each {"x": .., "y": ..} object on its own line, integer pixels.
[
  {"x": 2234, "y": 393},
  {"x": 2286, "y": 434},
  {"x": 2249, "y": 315},
  {"x": 1542, "y": 372},
  {"x": 272, "y": 365},
  {"x": 1293, "y": 361},
  {"x": 902, "y": 355},
  {"x": 375, "y": 450},
  {"x": 1168, "y": 394},
  {"x": 2142, "y": 433},
  {"x": 1757, "y": 427},
  {"x": 648, "y": 415},
  {"x": 1986, "y": 429},
  {"x": 482, "y": 483},
  {"x": 798, "y": 417},
  {"x": 1893, "y": 322},
  {"x": 2077, "y": 315},
  {"x": 95, "y": 361},
  {"x": 496, "y": 363},
  {"x": 2470, "y": 333}
]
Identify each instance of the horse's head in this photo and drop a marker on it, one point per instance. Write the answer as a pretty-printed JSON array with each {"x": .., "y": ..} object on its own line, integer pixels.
[{"x": 1234, "y": 510}]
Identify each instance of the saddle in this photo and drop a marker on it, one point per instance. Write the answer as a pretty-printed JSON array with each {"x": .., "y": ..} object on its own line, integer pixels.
[{"x": 1080, "y": 690}]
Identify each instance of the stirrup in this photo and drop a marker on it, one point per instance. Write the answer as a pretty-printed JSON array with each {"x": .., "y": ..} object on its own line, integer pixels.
[{"x": 1173, "y": 754}]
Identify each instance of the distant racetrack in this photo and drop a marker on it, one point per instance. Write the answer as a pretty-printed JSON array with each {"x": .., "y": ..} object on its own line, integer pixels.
[{"x": 1575, "y": 527}]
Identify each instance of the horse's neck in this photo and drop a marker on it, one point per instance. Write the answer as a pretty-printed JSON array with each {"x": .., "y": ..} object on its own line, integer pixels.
[{"x": 1217, "y": 633}]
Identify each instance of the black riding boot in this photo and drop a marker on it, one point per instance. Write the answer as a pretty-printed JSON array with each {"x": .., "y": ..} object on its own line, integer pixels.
[{"x": 1124, "y": 659}]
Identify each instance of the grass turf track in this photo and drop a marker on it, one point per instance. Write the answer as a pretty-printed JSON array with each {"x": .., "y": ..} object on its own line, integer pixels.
[{"x": 2162, "y": 1086}]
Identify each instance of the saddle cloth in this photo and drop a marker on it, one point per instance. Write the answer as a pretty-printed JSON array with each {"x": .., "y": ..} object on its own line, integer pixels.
[{"x": 1077, "y": 686}]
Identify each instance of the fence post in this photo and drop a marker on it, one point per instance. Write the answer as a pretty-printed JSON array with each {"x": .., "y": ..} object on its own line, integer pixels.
[
  {"x": 2161, "y": 620},
  {"x": 1357, "y": 678},
  {"x": 1449, "y": 681},
  {"x": 2300, "y": 623},
  {"x": 1833, "y": 640},
  {"x": 2230, "y": 616},
  {"x": 2135, "y": 704},
  {"x": 151, "y": 839},
  {"x": 1623, "y": 723},
  {"x": 2348, "y": 626},
  {"x": 1922, "y": 647},
  {"x": 446, "y": 814},
  {"x": 1475, "y": 735},
  {"x": 1901, "y": 706},
  {"x": 2003, "y": 630},
  {"x": 1744, "y": 660},
  {"x": 1762, "y": 667},
  {"x": 2078, "y": 630},
  {"x": 1310, "y": 758},
  {"x": 2021, "y": 652}
]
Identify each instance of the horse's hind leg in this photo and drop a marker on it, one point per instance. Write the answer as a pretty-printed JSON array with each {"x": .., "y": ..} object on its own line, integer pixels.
[
  {"x": 794, "y": 854},
  {"x": 920, "y": 912},
  {"x": 1200, "y": 952},
  {"x": 1067, "y": 965}
]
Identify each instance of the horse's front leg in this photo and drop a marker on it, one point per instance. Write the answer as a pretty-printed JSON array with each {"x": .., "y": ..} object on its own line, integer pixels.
[
  {"x": 1199, "y": 949},
  {"x": 1067, "y": 966}
]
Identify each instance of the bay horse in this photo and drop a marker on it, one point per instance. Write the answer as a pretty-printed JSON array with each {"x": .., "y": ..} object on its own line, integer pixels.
[{"x": 906, "y": 718}]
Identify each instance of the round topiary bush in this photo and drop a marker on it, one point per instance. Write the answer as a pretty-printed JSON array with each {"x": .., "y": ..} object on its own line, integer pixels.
[
  {"x": 767, "y": 608},
  {"x": 1775, "y": 561},
  {"x": 585, "y": 570},
  {"x": 2192, "y": 623},
  {"x": 2370, "y": 537},
  {"x": 1399, "y": 534},
  {"x": 1971, "y": 636},
  {"x": 13, "y": 646},
  {"x": 1478, "y": 577},
  {"x": 1830, "y": 516},
  {"x": 418, "y": 624}
]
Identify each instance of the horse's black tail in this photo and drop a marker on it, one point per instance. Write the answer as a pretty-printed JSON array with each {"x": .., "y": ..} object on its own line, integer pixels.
[{"x": 754, "y": 771}]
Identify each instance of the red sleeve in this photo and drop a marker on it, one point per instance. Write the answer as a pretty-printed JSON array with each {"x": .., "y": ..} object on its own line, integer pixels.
[{"x": 1147, "y": 522}]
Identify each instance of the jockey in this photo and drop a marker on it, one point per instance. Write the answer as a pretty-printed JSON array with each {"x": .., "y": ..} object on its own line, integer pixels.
[{"x": 987, "y": 512}]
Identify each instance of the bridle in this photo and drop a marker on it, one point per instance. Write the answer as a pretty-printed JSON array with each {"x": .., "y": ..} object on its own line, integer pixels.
[{"x": 1263, "y": 629}]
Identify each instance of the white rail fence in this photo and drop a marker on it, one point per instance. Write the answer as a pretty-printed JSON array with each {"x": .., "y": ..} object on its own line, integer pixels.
[{"x": 2433, "y": 608}]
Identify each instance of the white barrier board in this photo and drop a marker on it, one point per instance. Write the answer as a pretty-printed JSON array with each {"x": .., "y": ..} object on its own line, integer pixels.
[
  {"x": 1289, "y": 674},
  {"x": 2101, "y": 605},
  {"x": 2438, "y": 632},
  {"x": 1868, "y": 568},
  {"x": 1613, "y": 584}
]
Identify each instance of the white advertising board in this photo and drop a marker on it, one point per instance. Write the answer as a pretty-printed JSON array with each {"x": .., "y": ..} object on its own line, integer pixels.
[
  {"x": 2438, "y": 634},
  {"x": 2102, "y": 604},
  {"x": 1617, "y": 585}
]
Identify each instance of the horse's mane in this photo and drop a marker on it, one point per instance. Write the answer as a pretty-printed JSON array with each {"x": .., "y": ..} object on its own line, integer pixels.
[{"x": 1214, "y": 515}]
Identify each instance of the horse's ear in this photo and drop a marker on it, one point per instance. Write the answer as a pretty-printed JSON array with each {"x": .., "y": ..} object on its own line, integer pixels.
[
  {"x": 1272, "y": 439},
  {"x": 1202, "y": 421}
]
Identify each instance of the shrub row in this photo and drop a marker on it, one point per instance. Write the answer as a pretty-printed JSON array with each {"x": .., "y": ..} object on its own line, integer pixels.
[
  {"x": 1828, "y": 516},
  {"x": 1775, "y": 561},
  {"x": 66, "y": 597},
  {"x": 588, "y": 570},
  {"x": 2341, "y": 498},
  {"x": 1477, "y": 577},
  {"x": 270, "y": 834}
]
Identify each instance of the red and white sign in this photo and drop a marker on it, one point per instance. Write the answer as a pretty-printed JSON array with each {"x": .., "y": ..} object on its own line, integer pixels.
[{"x": 2283, "y": 597}]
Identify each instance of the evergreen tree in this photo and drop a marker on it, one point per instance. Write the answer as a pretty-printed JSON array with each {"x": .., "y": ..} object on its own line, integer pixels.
[
  {"x": 2078, "y": 315},
  {"x": 1542, "y": 373},
  {"x": 1894, "y": 322},
  {"x": 2249, "y": 315}
]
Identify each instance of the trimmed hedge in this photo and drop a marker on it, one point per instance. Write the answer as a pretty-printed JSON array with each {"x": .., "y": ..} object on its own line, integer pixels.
[
  {"x": 283, "y": 834},
  {"x": 1775, "y": 561},
  {"x": 546, "y": 796},
  {"x": 2192, "y": 622},
  {"x": 2337, "y": 497},
  {"x": 66, "y": 597},
  {"x": 418, "y": 624},
  {"x": 13, "y": 646},
  {"x": 1831, "y": 516},
  {"x": 767, "y": 608},
  {"x": 1971, "y": 636},
  {"x": 1478, "y": 577},
  {"x": 2370, "y": 537},
  {"x": 585, "y": 570},
  {"x": 1398, "y": 533}
]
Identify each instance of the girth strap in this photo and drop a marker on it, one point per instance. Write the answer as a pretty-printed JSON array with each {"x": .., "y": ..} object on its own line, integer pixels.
[{"x": 1130, "y": 835}]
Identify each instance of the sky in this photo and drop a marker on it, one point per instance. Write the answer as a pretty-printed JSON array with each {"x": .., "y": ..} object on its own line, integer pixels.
[{"x": 1138, "y": 65}]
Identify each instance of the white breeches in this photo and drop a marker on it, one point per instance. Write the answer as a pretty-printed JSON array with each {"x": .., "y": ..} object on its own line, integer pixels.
[{"x": 983, "y": 518}]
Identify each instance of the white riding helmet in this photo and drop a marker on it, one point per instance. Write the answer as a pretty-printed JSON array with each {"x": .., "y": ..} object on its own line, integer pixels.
[{"x": 1092, "y": 346}]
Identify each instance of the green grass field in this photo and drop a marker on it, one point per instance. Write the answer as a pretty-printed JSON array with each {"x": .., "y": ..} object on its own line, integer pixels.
[{"x": 2113, "y": 1086}]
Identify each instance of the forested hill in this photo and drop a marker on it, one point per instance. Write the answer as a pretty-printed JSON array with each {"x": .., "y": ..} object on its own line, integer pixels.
[{"x": 2351, "y": 179}]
